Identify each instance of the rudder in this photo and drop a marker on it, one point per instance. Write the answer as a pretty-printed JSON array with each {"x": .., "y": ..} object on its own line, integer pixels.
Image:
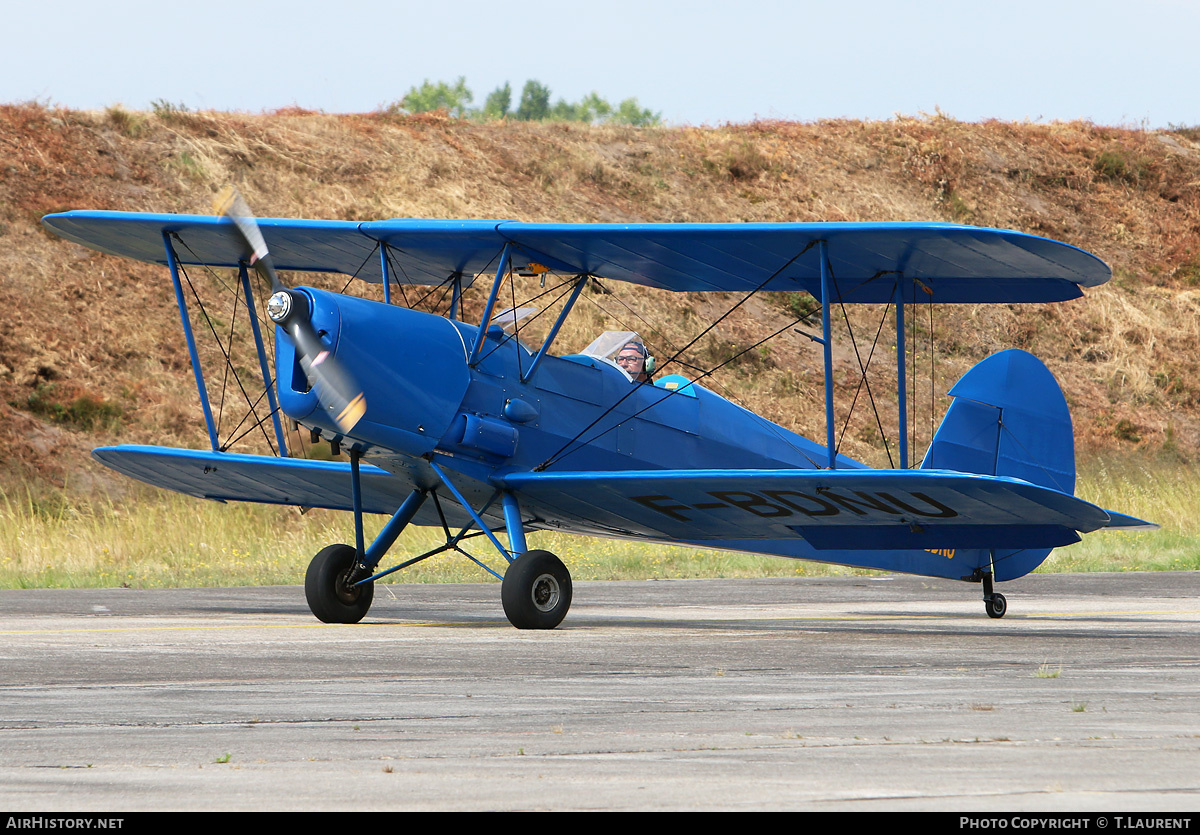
[{"x": 1009, "y": 418}]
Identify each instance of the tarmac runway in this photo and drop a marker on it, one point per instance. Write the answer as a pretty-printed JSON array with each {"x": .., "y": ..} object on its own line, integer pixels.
[{"x": 847, "y": 693}]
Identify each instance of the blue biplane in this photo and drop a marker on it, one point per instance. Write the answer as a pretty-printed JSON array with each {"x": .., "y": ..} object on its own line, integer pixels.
[{"x": 463, "y": 426}]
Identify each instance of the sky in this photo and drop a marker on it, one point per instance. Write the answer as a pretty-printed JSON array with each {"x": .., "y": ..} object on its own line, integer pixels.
[{"x": 1130, "y": 63}]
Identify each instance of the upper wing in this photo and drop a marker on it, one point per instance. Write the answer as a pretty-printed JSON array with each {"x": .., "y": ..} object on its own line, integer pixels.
[
  {"x": 931, "y": 261},
  {"x": 828, "y": 509},
  {"x": 438, "y": 247},
  {"x": 938, "y": 262},
  {"x": 315, "y": 245}
]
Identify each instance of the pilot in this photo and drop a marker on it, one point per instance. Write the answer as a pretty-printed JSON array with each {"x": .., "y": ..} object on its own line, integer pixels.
[{"x": 636, "y": 361}]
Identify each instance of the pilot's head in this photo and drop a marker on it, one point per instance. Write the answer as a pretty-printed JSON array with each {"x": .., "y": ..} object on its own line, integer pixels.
[{"x": 632, "y": 357}]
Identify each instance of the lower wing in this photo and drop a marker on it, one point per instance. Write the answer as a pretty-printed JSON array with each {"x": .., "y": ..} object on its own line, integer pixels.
[
  {"x": 225, "y": 476},
  {"x": 828, "y": 509}
]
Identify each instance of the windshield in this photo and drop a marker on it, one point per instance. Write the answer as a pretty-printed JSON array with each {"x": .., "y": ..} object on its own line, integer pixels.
[
  {"x": 510, "y": 317},
  {"x": 609, "y": 344}
]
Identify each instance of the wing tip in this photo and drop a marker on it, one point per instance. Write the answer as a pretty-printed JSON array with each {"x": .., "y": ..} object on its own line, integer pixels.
[{"x": 1123, "y": 522}]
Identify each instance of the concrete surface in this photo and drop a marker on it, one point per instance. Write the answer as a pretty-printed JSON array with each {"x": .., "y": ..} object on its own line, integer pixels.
[{"x": 816, "y": 694}]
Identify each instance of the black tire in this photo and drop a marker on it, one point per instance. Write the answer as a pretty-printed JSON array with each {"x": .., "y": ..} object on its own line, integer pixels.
[
  {"x": 536, "y": 591},
  {"x": 996, "y": 606},
  {"x": 329, "y": 597}
]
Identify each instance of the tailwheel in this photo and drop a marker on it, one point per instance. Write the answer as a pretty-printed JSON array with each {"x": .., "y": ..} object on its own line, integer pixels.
[
  {"x": 328, "y": 586},
  {"x": 996, "y": 605},
  {"x": 993, "y": 601},
  {"x": 536, "y": 591}
]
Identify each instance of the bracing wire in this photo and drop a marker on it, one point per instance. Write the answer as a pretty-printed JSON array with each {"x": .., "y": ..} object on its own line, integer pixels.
[
  {"x": 864, "y": 381},
  {"x": 562, "y": 451},
  {"x": 566, "y": 286},
  {"x": 228, "y": 362}
]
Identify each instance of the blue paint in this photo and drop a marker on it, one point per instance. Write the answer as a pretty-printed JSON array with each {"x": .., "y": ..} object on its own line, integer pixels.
[
  {"x": 190, "y": 338},
  {"x": 569, "y": 443},
  {"x": 958, "y": 263},
  {"x": 263, "y": 366}
]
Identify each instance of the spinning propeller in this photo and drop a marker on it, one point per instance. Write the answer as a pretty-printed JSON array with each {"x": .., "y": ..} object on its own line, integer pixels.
[{"x": 336, "y": 388}]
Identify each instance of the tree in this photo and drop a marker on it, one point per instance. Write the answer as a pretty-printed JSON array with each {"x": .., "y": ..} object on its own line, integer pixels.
[
  {"x": 534, "y": 105},
  {"x": 440, "y": 96},
  {"x": 591, "y": 109},
  {"x": 535, "y": 102},
  {"x": 629, "y": 112},
  {"x": 594, "y": 109},
  {"x": 498, "y": 102}
]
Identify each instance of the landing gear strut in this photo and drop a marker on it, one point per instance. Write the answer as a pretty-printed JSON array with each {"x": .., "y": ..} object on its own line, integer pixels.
[
  {"x": 993, "y": 601},
  {"x": 535, "y": 590}
]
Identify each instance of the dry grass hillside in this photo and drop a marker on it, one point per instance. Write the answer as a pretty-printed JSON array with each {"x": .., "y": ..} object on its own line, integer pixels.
[{"x": 91, "y": 350}]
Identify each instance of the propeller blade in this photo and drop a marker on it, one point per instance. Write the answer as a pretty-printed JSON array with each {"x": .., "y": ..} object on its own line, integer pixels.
[
  {"x": 335, "y": 386},
  {"x": 336, "y": 389},
  {"x": 230, "y": 203}
]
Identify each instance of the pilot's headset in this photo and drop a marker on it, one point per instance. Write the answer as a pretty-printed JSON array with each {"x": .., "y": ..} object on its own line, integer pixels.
[{"x": 648, "y": 362}]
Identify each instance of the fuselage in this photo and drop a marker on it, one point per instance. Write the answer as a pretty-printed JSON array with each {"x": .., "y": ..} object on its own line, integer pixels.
[
  {"x": 490, "y": 418},
  {"x": 481, "y": 421}
]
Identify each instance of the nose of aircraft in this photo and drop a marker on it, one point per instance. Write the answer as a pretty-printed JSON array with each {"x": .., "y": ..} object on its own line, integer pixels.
[
  {"x": 335, "y": 387},
  {"x": 410, "y": 365}
]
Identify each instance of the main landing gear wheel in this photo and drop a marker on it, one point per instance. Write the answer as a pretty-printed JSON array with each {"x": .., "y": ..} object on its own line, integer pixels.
[
  {"x": 536, "y": 591},
  {"x": 330, "y": 596},
  {"x": 995, "y": 605}
]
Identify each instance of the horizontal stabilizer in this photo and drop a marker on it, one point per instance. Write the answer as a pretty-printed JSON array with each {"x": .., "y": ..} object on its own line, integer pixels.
[{"x": 1119, "y": 521}]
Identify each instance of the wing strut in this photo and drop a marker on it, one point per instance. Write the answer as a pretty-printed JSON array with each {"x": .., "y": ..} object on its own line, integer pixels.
[
  {"x": 456, "y": 295},
  {"x": 178, "y": 274},
  {"x": 827, "y": 344},
  {"x": 387, "y": 273},
  {"x": 263, "y": 365},
  {"x": 579, "y": 285},
  {"x": 901, "y": 390},
  {"x": 828, "y": 284},
  {"x": 201, "y": 388},
  {"x": 487, "y": 311}
]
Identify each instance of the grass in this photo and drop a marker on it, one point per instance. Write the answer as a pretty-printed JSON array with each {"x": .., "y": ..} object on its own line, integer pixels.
[
  {"x": 1161, "y": 490},
  {"x": 84, "y": 411},
  {"x": 155, "y": 539}
]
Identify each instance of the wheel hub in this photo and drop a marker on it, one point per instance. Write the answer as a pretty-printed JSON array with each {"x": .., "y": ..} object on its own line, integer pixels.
[
  {"x": 545, "y": 592},
  {"x": 346, "y": 592}
]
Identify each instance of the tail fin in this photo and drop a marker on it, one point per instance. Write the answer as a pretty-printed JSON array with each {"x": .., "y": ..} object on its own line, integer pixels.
[{"x": 1008, "y": 418}]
